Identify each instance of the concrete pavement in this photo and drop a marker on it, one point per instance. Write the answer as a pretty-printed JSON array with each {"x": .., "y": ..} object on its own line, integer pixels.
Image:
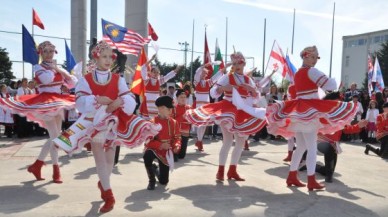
[{"x": 359, "y": 187}]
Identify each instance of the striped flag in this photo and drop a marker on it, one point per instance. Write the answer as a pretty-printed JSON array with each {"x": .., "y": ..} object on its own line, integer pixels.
[{"x": 122, "y": 39}]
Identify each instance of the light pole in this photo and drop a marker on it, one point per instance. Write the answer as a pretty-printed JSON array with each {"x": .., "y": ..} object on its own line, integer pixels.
[{"x": 185, "y": 49}]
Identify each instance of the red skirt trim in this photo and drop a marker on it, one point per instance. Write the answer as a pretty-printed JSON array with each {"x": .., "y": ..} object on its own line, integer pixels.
[
  {"x": 303, "y": 115},
  {"x": 226, "y": 114}
]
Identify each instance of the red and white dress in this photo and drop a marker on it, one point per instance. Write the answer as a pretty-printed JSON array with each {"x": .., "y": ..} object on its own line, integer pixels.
[
  {"x": 152, "y": 92},
  {"x": 224, "y": 112},
  {"x": 202, "y": 87},
  {"x": 128, "y": 130},
  {"x": 6, "y": 117},
  {"x": 48, "y": 103},
  {"x": 307, "y": 113}
]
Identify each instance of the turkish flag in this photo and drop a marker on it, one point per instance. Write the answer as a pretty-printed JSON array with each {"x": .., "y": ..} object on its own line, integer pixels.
[
  {"x": 36, "y": 20},
  {"x": 152, "y": 33}
]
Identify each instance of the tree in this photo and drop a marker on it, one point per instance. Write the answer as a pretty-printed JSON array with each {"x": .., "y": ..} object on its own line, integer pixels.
[
  {"x": 5, "y": 67},
  {"x": 382, "y": 55}
]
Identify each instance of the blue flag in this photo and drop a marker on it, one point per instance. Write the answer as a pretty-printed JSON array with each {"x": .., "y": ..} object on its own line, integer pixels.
[
  {"x": 70, "y": 61},
  {"x": 290, "y": 65},
  {"x": 30, "y": 53}
]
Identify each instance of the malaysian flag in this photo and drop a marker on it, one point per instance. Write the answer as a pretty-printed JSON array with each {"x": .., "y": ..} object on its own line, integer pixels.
[{"x": 122, "y": 39}]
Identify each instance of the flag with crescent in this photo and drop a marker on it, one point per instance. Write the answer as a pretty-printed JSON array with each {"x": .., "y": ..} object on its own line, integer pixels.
[{"x": 122, "y": 39}]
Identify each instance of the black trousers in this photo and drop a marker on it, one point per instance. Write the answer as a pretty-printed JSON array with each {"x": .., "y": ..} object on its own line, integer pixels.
[
  {"x": 383, "y": 150},
  {"x": 163, "y": 173},
  {"x": 184, "y": 141},
  {"x": 330, "y": 158}
]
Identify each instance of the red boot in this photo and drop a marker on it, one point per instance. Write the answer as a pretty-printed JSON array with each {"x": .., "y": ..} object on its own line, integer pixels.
[
  {"x": 220, "y": 173},
  {"x": 56, "y": 174},
  {"x": 199, "y": 145},
  {"x": 35, "y": 169},
  {"x": 246, "y": 146},
  {"x": 289, "y": 156},
  {"x": 109, "y": 201},
  {"x": 88, "y": 147},
  {"x": 101, "y": 189},
  {"x": 313, "y": 184},
  {"x": 292, "y": 179},
  {"x": 232, "y": 173}
]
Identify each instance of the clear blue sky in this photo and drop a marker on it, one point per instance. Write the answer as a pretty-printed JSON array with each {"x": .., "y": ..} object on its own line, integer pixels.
[{"x": 173, "y": 20}]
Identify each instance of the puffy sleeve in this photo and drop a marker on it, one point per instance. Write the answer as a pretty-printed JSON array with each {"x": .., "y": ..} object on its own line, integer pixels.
[
  {"x": 164, "y": 79},
  {"x": 71, "y": 81},
  {"x": 197, "y": 76},
  {"x": 44, "y": 76},
  {"x": 128, "y": 99},
  {"x": 215, "y": 77},
  {"x": 223, "y": 81},
  {"x": 85, "y": 100},
  {"x": 321, "y": 80}
]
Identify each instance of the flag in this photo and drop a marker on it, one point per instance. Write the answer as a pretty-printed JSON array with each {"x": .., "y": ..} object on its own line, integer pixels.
[
  {"x": 370, "y": 75},
  {"x": 218, "y": 57},
  {"x": 291, "y": 69},
  {"x": 122, "y": 39},
  {"x": 30, "y": 53},
  {"x": 152, "y": 33},
  {"x": 379, "y": 77},
  {"x": 138, "y": 86},
  {"x": 77, "y": 70},
  {"x": 278, "y": 63},
  {"x": 36, "y": 20},
  {"x": 207, "y": 59},
  {"x": 70, "y": 61}
]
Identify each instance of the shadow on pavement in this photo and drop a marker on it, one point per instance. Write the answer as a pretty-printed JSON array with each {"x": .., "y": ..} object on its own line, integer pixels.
[
  {"x": 20, "y": 198},
  {"x": 139, "y": 200}
]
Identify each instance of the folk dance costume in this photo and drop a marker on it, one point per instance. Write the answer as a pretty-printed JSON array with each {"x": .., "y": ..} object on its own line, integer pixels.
[
  {"x": 45, "y": 108},
  {"x": 152, "y": 92},
  {"x": 6, "y": 117},
  {"x": 234, "y": 123},
  {"x": 202, "y": 90},
  {"x": 184, "y": 125},
  {"x": 170, "y": 135},
  {"x": 291, "y": 118},
  {"x": 381, "y": 135},
  {"x": 329, "y": 146}
]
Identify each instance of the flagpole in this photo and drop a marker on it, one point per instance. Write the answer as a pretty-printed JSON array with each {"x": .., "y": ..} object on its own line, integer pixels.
[
  {"x": 269, "y": 58},
  {"x": 265, "y": 29},
  {"x": 332, "y": 36},
  {"x": 192, "y": 54},
  {"x": 293, "y": 31},
  {"x": 226, "y": 41},
  {"x": 32, "y": 70}
]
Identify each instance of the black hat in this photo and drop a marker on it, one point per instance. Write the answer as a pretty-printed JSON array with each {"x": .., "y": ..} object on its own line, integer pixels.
[
  {"x": 164, "y": 101},
  {"x": 385, "y": 105},
  {"x": 181, "y": 91}
]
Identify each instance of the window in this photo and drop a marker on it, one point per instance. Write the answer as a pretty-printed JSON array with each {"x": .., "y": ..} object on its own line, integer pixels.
[
  {"x": 377, "y": 39},
  {"x": 347, "y": 58},
  {"x": 361, "y": 42}
]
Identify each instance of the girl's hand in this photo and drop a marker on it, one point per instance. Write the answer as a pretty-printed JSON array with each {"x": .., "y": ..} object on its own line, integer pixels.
[
  {"x": 114, "y": 105},
  {"x": 103, "y": 100}
]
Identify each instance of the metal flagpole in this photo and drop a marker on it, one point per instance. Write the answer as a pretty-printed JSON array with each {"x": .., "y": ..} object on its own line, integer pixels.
[
  {"x": 226, "y": 41},
  {"x": 293, "y": 31},
  {"x": 192, "y": 54},
  {"x": 332, "y": 36},
  {"x": 265, "y": 27},
  {"x": 32, "y": 68}
]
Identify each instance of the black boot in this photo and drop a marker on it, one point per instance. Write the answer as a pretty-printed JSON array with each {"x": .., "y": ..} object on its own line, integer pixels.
[
  {"x": 151, "y": 178},
  {"x": 320, "y": 169},
  {"x": 367, "y": 148}
]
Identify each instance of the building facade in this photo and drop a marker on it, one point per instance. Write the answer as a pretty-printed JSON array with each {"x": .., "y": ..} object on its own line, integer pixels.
[{"x": 355, "y": 55}]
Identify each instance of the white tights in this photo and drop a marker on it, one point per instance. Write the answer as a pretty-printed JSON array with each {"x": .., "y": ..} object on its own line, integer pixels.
[
  {"x": 305, "y": 141},
  {"x": 291, "y": 143},
  {"x": 53, "y": 127},
  {"x": 227, "y": 142},
  {"x": 200, "y": 132},
  {"x": 104, "y": 163}
]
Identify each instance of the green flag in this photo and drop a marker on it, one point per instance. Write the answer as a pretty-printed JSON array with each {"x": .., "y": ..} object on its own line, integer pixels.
[{"x": 218, "y": 58}]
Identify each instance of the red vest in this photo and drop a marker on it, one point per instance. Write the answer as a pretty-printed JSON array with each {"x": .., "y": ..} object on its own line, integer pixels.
[
  {"x": 242, "y": 91},
  {"x": 303, "y": 84},
  {"x": 149, "y": 88},
  {"x": 110, "y": 89},
  {"x": 203, "y": 89}
]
